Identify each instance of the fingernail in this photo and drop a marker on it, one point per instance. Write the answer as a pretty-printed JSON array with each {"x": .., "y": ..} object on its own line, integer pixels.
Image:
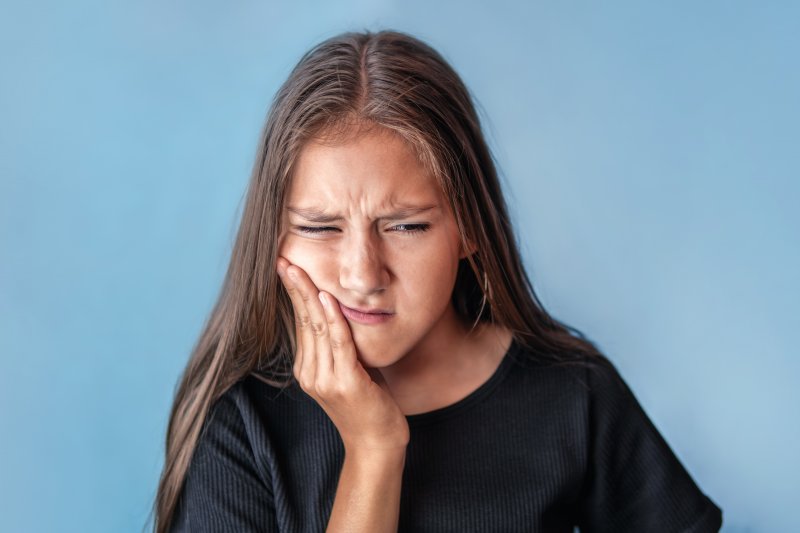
[{"x": 324, "y": 300}]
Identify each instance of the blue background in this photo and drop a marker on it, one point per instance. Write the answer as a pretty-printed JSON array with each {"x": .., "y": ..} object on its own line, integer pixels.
[{"x": 649, "y": 155}]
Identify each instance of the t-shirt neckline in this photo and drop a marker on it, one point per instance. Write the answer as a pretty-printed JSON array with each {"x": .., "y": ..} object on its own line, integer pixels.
[{"x": 472, "y": 398}]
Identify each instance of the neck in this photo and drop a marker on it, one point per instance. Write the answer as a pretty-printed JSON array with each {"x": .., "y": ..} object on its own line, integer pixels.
[{"x": 446, "y": 365}]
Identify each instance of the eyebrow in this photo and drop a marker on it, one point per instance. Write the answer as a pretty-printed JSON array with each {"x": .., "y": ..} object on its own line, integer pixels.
[{"x": 320, "y": 216}]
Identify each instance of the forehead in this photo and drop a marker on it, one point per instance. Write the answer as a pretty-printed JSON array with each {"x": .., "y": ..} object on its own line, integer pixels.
[{"x": 371, "y": 170}]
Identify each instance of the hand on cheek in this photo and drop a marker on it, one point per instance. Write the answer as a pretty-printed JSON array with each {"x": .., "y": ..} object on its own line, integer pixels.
[{"x": 327, "y": 369}]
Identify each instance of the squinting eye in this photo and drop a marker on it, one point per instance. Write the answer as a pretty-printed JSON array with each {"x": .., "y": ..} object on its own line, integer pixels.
[
  {"x": 410, "y": 228},
  {"x": 314, "y": 229},
  {"x": 415, "y": 228}
]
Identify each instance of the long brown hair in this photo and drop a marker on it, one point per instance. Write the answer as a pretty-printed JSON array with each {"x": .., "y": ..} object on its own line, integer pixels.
[{"x": 387, "y": 79}]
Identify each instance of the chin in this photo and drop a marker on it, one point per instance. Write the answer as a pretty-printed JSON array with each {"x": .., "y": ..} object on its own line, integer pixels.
[
  {"x": 374, "y": 358},
  {"x": 376, "y": 354}
]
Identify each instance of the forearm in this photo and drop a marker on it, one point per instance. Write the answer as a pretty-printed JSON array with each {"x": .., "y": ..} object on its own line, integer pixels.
[{"x": 368, "y": 493}]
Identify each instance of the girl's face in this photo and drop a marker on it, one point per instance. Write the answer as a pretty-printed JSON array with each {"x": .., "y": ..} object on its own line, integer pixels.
[{"x": 368, "y": 224}]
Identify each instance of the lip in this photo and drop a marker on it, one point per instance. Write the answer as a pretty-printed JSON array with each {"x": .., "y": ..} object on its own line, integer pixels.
[{"x": 377, "y": 316}]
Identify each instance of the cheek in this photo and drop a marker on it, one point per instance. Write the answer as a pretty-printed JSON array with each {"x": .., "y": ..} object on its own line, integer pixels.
[
  {"x": 428, "y": 280},
  {"x": 425, "y": 269},
  {"x": 314, "y": 260}
]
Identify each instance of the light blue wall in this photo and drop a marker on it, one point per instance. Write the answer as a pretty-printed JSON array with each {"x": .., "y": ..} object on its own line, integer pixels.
[{"x": 649, "y": 156}]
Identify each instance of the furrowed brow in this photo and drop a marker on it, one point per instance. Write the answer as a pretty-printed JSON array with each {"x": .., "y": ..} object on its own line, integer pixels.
[{"x": 321, "y": 217}]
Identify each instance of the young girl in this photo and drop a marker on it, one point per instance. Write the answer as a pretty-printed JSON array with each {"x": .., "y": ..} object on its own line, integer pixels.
[{"x": 378, "y": 360}]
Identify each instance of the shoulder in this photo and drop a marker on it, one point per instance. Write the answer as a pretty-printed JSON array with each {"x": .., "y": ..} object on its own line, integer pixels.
[
  {"x": 236, "y": 422},
  {"x": 228, "y": 484},
  {"x": 253, "y": 393},
  {"x": 269, "y": 413},
  {"x": 580, "y": 376},
  {"x": 589, "y": 387},
  {"x": 227, "y": 429},
  {"x": 587, "y": 390}
]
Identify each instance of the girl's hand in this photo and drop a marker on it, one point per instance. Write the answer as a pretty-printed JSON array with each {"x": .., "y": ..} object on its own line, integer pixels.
[{"x": 326, "y": 366}]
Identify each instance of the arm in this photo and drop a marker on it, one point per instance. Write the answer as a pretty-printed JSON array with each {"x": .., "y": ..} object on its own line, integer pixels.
[
  {"x": 358, "y": 401},
  {"x": 368, "y": 494}
]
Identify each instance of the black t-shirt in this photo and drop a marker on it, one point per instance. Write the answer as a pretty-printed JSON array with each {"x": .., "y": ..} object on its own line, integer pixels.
[{"x": 537, "y": 447}]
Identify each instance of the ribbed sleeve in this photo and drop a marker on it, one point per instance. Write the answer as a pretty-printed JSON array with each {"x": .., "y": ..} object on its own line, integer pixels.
[
  {"x": 634, "y": 480},
  {"x": 224, "y": 490}
]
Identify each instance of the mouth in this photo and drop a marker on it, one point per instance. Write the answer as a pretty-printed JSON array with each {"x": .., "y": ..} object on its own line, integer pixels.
[{"x": 377, "y": 316}]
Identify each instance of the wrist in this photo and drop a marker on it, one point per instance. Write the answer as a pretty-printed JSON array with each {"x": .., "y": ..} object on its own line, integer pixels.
[{"x": 377, "y": 456}]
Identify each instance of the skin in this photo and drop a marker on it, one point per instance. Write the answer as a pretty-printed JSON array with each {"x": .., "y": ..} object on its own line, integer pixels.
[
  {"x": 425, "y": 354},
  {"x": 368, "y": 377}
]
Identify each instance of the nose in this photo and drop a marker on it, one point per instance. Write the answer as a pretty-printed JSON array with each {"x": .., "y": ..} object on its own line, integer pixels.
[{"x": 362, "y": 266}]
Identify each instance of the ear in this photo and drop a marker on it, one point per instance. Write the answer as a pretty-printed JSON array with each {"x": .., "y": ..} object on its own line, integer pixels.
[{"x": 470, "y": 249}]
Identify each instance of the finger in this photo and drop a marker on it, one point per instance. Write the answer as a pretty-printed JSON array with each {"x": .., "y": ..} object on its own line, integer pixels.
[
  {"x": 302, "y": 302},
  {"x": 280, "y": 266},
  {"x": 317, "y": 325},
  {"x": 343, "y": 348},
  {"x": 304, "y": 366},
  {"x": 305, "y": 340},
  {"x": 298, "y": 356},
  {"x": 326, "y": 300}
]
